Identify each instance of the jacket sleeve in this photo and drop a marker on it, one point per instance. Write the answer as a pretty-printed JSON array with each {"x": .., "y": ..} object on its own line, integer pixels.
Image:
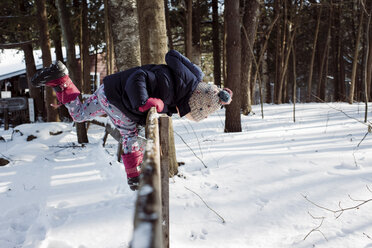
[
  {"x": 177, "y": 62},
  {"x": 136, "y": 89}
]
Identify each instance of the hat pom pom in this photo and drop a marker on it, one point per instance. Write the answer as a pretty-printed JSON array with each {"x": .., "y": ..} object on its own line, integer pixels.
[{"x": 224, "y": 96}]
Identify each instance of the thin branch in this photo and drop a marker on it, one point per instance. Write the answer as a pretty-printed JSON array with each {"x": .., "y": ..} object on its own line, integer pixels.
[
  {"x": 205, "y": 166},
  {"x": 223, "y": 220},
  {"x": 316, "y": 229},
  {"x": 340, "y": 211},
  {"x": 340, "y": 110},
  {"x": 356, "y": 148}
]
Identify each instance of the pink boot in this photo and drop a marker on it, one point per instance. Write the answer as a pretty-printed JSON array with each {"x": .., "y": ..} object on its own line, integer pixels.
[
  {"x": 132, "y": 162},
  {"x": 56, "y": 76},
  {"x": 65, "y": 89}
]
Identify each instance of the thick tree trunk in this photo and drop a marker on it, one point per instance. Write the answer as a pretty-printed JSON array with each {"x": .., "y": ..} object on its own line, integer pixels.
[
  {"x": 153, "y": 34},
  {"x": 233, "y": 61},
  {"x": 71, "y": 60},
  {"x": 216, "y": 44},
  {"x": 124, "y": 32}
]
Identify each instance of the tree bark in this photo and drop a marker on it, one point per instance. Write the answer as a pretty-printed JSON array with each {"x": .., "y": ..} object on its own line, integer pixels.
[
  {"x": 233, "y": 63},
  {"x": 124, "y": 32},
  {"x": 153, "y": 35}
]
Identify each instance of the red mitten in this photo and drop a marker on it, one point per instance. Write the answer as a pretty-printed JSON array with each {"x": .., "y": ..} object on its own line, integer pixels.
[
  {"x": 132, "y": 162},
  {"x": 152, "y": 102}
]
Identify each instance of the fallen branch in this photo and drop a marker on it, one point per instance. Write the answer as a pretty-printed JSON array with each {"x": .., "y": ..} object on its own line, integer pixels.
[
  {"x": 340, "y": 211},
  {"x": 316, "y": 229}
]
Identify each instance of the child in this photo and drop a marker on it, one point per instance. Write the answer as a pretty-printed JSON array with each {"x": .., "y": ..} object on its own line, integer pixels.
[{"x": 126, "y": 97}]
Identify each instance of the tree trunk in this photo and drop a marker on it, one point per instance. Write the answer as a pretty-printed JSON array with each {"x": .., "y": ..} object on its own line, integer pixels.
[
  {"x": 188, "y": 37},
  {"x": 110, "y": 60},
  {"x": 50, "y": 97},
  {"x": 322, "y": 75},
  {"x": 233, "y": 64},
  {"x": 216, "y": 44},
  {"x": 84, "y": 53},
  {"x": 35, "y": 93},
  {"x": 196, "y": 49},
  {"x": 369, "y": 56},
  {"x": 167, "y": 22},
  {"x": 71, "y": 60},
  {"x": 250, "y": 22},
  {"x": 153, "y": 35},
  {"x": 125, "y": 35},
  {"x": 311, "y": 69},
  {"x": 355, "y": 59}
]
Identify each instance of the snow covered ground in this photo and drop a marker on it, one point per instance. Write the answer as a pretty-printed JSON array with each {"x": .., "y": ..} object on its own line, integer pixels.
[{"x": 56, "y": 194}]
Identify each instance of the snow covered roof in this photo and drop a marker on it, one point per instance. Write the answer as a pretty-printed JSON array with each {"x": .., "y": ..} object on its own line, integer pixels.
[{"x": 12, "y": 61}]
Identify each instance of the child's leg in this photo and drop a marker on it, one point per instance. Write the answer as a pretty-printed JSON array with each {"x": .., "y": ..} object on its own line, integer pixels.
[
  {"x": 132, "y": 157},
  {"x": 85, "y": 111}
]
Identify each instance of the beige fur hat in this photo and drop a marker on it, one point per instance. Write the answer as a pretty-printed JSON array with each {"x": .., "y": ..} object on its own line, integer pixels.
[{"x": 206, "y": 99}]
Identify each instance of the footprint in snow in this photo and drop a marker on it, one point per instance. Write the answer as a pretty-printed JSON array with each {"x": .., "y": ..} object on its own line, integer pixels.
[{"x": 201, "y": 235}]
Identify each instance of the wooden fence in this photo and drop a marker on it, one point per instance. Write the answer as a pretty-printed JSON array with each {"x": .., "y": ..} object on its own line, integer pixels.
[{"x": 151, "y": 220}]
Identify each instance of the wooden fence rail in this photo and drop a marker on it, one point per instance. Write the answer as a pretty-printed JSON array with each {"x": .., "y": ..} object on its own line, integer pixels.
[{"x": 151, "y": 220}]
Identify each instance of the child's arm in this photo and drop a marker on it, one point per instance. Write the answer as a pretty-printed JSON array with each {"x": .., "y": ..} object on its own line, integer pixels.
[{"x": 136, "y": 89}]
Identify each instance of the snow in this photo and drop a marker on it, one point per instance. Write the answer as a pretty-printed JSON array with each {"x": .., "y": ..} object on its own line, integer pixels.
[{"x": 258, "y": 188}]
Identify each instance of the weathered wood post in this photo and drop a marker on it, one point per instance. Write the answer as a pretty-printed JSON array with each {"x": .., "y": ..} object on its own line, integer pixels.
[
  {"x": 164, "y": 125},
  {"x": 148, "y": 215}
]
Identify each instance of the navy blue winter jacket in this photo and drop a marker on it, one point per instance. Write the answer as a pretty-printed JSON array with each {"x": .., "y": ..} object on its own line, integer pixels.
[{"x": 173, "y": 83}]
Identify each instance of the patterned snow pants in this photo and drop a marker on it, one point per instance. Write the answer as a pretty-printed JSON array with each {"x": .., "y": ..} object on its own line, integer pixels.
[{"x": 98, "y": 105}]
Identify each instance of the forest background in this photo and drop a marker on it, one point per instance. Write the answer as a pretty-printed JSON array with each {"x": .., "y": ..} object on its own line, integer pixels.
[{"x": 274, "y": 51}]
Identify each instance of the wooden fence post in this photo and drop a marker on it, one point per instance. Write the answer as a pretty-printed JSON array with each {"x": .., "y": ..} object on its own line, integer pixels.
[
  {"x": 164, "y": 123},
  {"x": 148, "y": 215}
]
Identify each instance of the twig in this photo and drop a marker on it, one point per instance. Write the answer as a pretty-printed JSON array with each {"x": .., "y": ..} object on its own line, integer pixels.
[
  {"x": 190, "y": 149},
  {"x": 356, "y": 148},
  {"x": 367, "y": 235},
  {"x": 223, "y": 220},
  {"x": 341, "y": 111},
  {"x": 340, "y": 211},
  {"x": 316, "y": 229}
]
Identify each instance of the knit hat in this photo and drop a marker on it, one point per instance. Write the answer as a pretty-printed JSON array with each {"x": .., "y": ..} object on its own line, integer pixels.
[{"x": 206, "y": 99}]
